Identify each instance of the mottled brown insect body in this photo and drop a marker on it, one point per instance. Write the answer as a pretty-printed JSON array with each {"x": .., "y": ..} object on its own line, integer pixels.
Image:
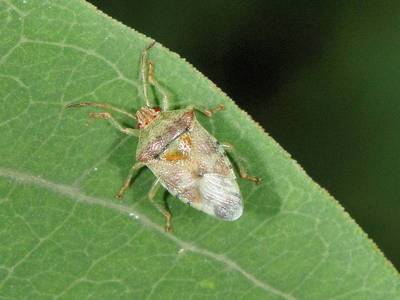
[
  {"x": 158, "y": 134},
  {"x": 191, "y": 164},
  {"x": 186, "y": 159}
]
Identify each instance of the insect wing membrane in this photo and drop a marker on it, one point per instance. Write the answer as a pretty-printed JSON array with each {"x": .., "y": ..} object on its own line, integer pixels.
[{"x": 220, "y": 196}]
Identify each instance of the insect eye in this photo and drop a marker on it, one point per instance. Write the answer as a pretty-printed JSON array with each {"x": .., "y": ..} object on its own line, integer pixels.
[{"x": 157, "y": 109}]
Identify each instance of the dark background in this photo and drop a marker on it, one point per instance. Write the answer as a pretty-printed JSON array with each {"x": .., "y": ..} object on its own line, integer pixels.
[{"x": 322, "y": 78}]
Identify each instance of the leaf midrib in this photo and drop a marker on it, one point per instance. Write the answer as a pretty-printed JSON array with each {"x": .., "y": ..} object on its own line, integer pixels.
[{"x": 77, "y": 195}]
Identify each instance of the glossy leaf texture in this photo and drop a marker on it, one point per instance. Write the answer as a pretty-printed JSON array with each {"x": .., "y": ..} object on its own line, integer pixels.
[{"x": 65, "y": 236}]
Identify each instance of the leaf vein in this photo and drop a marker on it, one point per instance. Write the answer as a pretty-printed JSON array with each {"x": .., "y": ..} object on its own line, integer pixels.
[{"x": 76, "y": 194}]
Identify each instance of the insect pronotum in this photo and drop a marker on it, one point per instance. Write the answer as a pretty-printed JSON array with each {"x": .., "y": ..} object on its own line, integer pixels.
[{"x": 186, "y": 159}]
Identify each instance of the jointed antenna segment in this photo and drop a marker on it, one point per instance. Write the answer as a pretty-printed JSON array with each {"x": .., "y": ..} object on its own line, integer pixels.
[
  {"x": 100, "y": 105},
  {"x": 144, "y": 68}
]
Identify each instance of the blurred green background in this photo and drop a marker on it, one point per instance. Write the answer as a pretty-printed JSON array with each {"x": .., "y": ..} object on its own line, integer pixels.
[{"x": 322, "y": 78}]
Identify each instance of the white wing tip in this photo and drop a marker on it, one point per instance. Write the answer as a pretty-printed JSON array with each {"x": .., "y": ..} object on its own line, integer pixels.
[
  {"x": 229, "y": 214},
  {"x": 221, "y": 197}
]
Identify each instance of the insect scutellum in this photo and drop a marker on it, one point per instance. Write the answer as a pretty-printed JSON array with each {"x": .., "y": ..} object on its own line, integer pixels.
[{"x": 186, "y": 159}]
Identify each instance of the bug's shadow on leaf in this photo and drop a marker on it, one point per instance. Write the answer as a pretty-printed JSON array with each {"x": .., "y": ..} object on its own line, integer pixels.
[{"x": 260, "y": 200}]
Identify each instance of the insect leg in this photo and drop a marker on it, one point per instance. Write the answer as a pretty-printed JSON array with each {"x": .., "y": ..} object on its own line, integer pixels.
[
  {"x": 239, "y": 162},
  {"x": 209, "y": 111},
  {"x": 100, "y": 105},
  {"x": 128, "y": 180},
  {"x": 114, "y": 123},
  {"x": 165, "y": 211}
]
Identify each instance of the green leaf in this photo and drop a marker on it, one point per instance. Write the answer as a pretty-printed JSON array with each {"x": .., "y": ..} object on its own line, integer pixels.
[{"x": 64, "y": 235}]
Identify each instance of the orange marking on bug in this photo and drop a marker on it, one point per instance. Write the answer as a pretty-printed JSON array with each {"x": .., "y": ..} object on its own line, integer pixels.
[
  {"x": 196, "y": 198},
  {"x": 193, "y": 194},
  {"x": 187, "y": 139},
  {"x": 176, "y": 155}
]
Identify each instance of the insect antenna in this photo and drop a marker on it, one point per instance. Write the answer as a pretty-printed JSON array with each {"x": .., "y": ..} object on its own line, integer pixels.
[
  {"x": 100, "y": 105},
  {"x": 144, "y": 72}
]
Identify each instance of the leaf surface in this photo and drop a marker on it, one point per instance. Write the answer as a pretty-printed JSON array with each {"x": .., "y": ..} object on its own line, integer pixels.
[{"x": 64, "y": 235}]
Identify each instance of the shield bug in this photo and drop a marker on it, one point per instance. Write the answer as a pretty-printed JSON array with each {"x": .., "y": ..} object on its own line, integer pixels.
[{"x": 186, "y": 159}]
